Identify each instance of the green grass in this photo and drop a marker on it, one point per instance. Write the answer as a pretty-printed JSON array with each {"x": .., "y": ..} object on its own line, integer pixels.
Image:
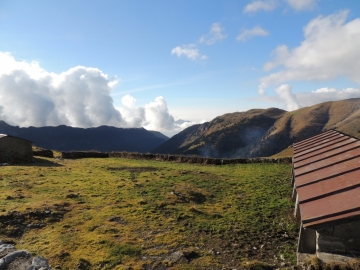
[{"x": 125, "y": 212}]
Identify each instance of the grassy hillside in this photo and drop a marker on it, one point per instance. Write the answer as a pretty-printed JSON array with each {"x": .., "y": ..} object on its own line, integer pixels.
[
  {"x": 230, "y": 135},
  {"x": 261, "y": 133},
  {"x": 115, "y": 213}
]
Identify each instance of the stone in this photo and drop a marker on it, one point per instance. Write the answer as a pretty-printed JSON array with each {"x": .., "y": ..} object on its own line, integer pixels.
[
  {"x": 39, "y": 263},
  {"x": 13, "y": 255}
]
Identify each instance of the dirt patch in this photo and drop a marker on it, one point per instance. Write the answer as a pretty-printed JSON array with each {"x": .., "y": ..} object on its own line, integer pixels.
[{"x": 14, "y": 223}]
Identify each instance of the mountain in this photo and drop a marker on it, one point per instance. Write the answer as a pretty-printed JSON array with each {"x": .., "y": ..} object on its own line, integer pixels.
[
  {"x": 103, "y": 138},
  {"x": 263, "y": 132}
]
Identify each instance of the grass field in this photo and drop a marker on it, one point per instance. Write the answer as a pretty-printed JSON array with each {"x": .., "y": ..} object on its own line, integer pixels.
[{"x": 132, "y": 214}]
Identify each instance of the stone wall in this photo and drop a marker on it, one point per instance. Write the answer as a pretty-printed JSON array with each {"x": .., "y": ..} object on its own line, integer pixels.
[
  {"x": 43, "y": 153},
  {"x": 174, "y": 158},
  {"x": 85, "y": 154}
]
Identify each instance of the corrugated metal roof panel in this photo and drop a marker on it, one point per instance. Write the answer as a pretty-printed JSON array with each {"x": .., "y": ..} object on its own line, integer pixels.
[
  {"x": 327, "y": 172},
  {"x": 322, "y": 140},
  {"x": 326, "y": 133},
  {"x": 324, "y": 188},
  {"x": 339, "y": 217},
  {"x": 327, "y": 152},
  {"x": 326, "y": 168},
  {"x": 299, "y": 154},
  {"x": 331, "y": 206},
  {"x": 327, "y": 162}
]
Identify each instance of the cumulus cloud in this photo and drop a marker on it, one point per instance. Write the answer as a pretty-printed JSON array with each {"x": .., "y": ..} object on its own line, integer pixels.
[
  {"x": 285, "y": 94},
  {"x": 330, "y": 49},
  {"x": 190, "y": 51},
  {"x": 132, "y": 115},
  {"x": 301, "y": 4},
  {"x": 29, "y": 95},
  {"x": 159, "y": 118},
  {"x": 79, "y": 97},
  {"x": 260, "y": 5},
  {"x": 249, "y": 33},
  {"x": 216, "y": 34}
]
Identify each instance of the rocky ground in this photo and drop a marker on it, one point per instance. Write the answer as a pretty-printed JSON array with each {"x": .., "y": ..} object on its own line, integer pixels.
[{"x": 12, "y": 259}]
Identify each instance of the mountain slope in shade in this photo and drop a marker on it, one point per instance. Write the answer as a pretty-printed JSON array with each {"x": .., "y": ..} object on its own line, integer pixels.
[
  {"x": 229, "y": 135},
  {"x": 259, "y": 132},
  {"x": 103, "y": 138}
]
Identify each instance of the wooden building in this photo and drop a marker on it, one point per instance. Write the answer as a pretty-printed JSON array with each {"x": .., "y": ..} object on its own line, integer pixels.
[{"x": 14, "y": 149}]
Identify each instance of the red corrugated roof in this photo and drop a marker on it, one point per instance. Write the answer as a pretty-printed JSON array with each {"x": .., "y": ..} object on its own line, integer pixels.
[{"x": 327, "y": 178}]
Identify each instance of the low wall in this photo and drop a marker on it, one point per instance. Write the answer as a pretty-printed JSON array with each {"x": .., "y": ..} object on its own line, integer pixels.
[
  {"x": 43, "y": 153},
  {"x": 85, "y": 154},
  {"x": 174, "y": 158}
]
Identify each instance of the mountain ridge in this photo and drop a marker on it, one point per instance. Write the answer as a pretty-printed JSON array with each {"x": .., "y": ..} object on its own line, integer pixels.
[
  {"x": 102, "y": 138},
  {"x": 264, "y": 132}
]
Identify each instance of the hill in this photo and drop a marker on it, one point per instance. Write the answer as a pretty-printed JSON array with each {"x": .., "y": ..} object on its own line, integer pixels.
[
  {"x": 103, "y": 138},
  {"x": 263, "y": 132}
]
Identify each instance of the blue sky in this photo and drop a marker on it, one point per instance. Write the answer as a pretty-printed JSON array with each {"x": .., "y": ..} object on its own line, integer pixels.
[{"x": 157, "y": 63}]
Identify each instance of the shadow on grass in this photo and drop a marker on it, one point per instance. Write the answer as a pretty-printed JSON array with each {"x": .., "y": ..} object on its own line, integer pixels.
[{"x": 41, "y": 162}]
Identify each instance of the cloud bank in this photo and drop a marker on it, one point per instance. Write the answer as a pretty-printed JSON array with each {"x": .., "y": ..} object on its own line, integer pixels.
[
  {"x": 303, "y": 99},
  {"x": 78, "y": 97},
  {"x": 330, "y": 49},
  {"x": 326, "y": 94}
]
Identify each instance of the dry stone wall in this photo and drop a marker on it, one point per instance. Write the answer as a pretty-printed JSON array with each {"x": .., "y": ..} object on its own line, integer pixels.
[
  {"x": 174, "y": 158},
  {"x": 43, "y": 153}
]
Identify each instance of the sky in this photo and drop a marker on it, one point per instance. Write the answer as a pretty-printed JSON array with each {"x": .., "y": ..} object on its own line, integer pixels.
[{"x": 166, "y": 65}]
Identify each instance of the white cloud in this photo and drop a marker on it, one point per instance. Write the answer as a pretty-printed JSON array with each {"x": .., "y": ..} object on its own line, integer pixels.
[
  {"x": 79, "y": 97},
  {"x": 284, "y": 91},
  {"x": 249, "y": 33},
  {"x": 280, "y": 54},
  {"x": 190, "y": 51},
  {"x": 216, "y": 34},
  {"x": 302, "y": 4},
  {"x": 159, "y": 118},
  {"x": 260, "y": 5},
  {"x": 29, "y": 95},
  {"x": 330, "y": 49},
  {"x": 326, "y": 94},
  {"x": 128, "y": 101}
]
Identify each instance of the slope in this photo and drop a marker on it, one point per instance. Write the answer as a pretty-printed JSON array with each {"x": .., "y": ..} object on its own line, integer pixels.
[
  {"x": 260, "y": 132},
  {"x": 229, "y": 135}
]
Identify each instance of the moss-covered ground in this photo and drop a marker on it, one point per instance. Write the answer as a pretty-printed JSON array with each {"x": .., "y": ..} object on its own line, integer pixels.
[{"x": 118, "y": 213}]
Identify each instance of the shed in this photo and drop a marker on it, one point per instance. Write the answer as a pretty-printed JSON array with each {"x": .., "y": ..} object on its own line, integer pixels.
[
  {"x": 326, "y": 187},
  {"x": 14, "y": 149}
]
